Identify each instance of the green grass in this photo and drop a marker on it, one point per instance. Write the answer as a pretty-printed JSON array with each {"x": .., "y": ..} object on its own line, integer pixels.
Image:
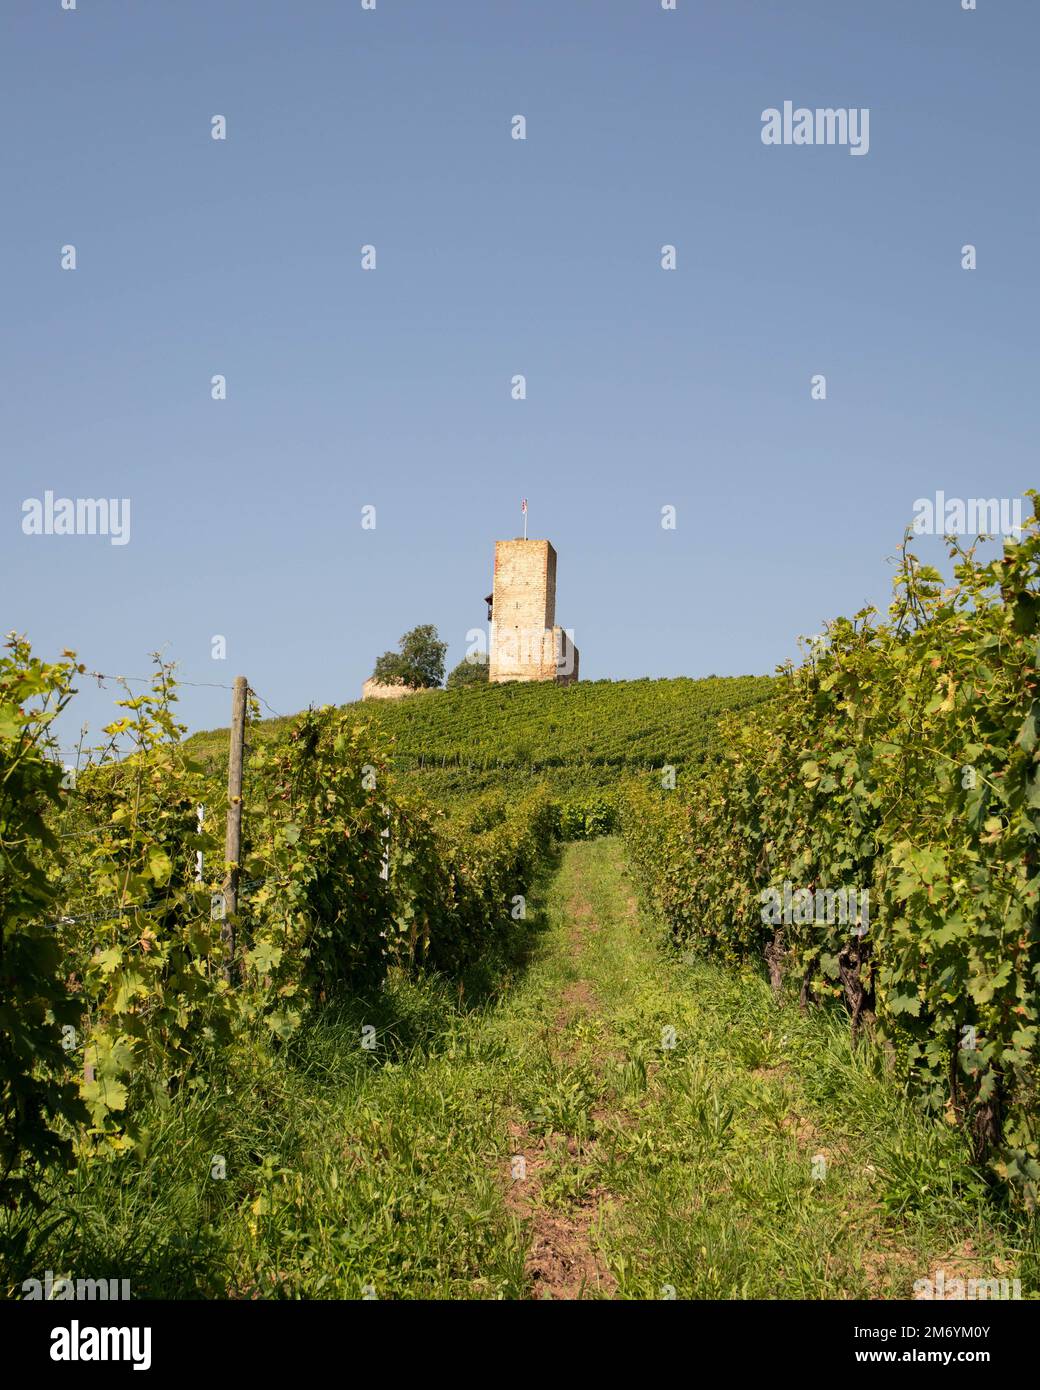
[{"x": 649, "y": 1168}]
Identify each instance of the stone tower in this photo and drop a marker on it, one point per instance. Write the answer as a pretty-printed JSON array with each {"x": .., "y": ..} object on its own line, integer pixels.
[{"x": 526, "y": 645}]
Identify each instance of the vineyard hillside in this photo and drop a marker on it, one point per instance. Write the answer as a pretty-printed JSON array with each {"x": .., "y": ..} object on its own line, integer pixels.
[{"x": 575, "y": 736}]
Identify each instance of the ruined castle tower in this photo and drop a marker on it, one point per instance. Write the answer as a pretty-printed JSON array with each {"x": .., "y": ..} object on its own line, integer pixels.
[{"x": 525, "y": 643}]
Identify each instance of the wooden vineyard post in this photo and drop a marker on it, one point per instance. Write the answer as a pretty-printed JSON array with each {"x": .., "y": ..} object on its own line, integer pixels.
[{"x": 233, "y": 841}]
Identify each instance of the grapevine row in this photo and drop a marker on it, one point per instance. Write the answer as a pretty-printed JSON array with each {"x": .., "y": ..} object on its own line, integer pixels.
[
  {"x": 115, "y": 978},
  {"x": 900, "y": 761}
]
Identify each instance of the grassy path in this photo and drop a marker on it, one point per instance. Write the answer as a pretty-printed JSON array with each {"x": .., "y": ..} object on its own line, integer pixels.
[
  {"x": 611, "y": 1123},
  {"x": 558, "y": 1145}
]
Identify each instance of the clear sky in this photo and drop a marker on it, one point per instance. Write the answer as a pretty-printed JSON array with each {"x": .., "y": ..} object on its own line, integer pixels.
[{"x": 495, "y": 257}]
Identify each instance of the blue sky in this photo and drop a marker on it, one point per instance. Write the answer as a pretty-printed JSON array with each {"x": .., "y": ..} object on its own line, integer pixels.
[{"x": 495, "y": 257}]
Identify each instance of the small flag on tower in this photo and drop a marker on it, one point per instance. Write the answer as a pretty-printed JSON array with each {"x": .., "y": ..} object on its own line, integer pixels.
[{"x": 523, "y": 508}]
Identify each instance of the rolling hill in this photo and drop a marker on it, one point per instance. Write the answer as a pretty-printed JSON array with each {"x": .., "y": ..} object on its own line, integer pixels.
[{"x": 588, "y": 734}]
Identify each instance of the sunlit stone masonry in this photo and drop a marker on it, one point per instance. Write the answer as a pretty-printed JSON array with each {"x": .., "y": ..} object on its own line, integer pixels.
[{"x": 526, "y": 645}]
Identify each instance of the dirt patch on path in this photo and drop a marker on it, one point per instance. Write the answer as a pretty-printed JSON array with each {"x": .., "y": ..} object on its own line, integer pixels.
[
  {"x": 562, "y": 1262},
  {"x": 582, "y": 924},
  {"x": 578, "y": 998}
]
